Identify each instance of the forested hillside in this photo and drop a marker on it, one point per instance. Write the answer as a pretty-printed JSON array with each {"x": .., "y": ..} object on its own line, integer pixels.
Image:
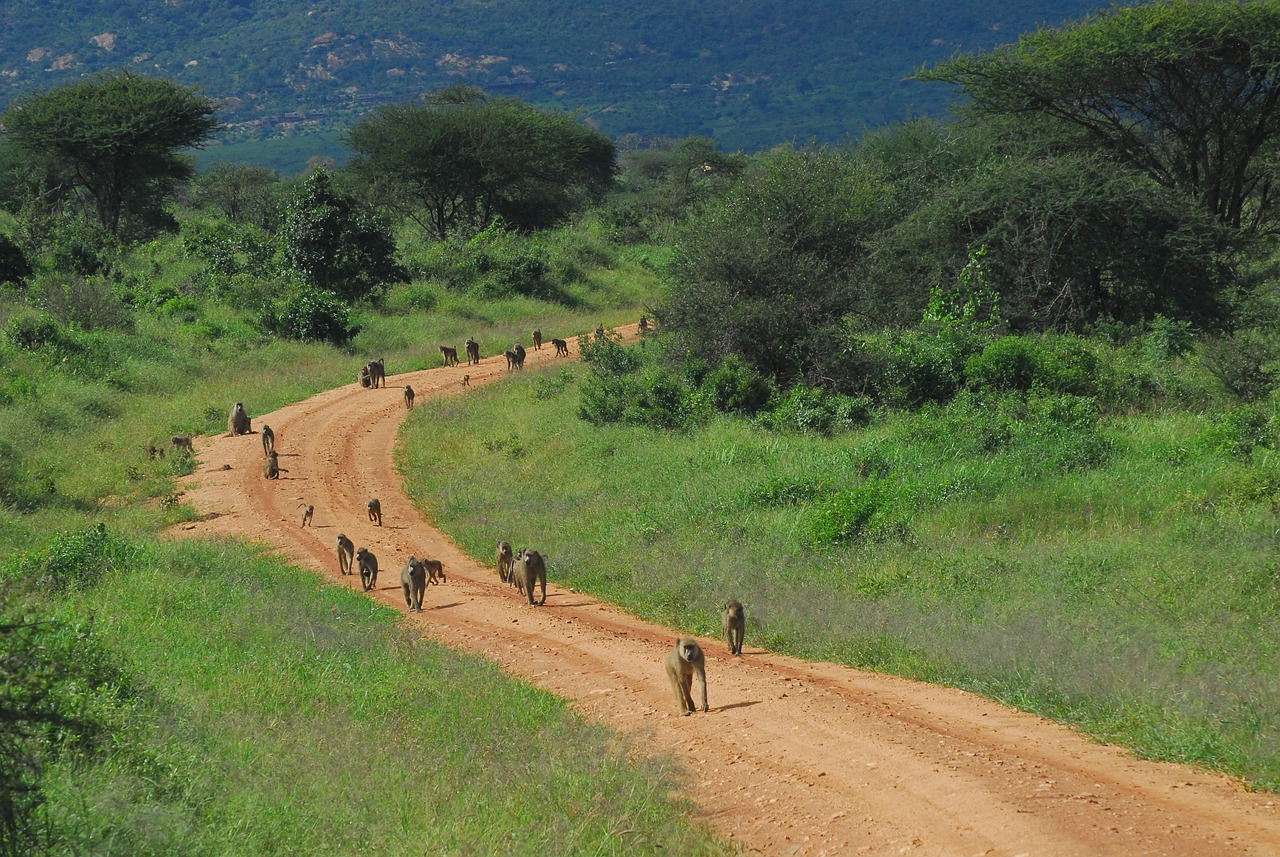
[{"x": 749, "y": 73}]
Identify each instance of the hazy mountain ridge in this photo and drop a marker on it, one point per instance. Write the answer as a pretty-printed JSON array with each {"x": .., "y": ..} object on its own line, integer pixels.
[{"x": 750, "y": 73}]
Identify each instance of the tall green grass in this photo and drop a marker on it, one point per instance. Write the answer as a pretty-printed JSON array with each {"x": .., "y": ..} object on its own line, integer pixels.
[{"x": 1118, "y": 573}]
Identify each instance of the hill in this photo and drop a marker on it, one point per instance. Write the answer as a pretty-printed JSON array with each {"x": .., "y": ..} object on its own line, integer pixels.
[{"x": 748, "y": 72}]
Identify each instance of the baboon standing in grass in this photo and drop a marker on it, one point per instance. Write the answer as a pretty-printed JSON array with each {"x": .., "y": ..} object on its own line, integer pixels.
[
  {"x": 506, "y": 561},
  {"x": 183, "y": 442},
  {"x": 413, "y": 581},
  {"x": 368, "y": 565},
  {"x": 450, "y": 355},
  {"x": 537, "y": 340},
  {"x": 268, "y": 440},
  {"x": 238, "y": 422},
  {"x": 408, "y": 397},
  {"x": 734, "y": 622},
  {"x": 473, "y": 351},
  {"x": 346, "y": 553},
  {"x": 685, "y": 661},
  {"x": 374, "y": 508},
  {"x": 532, "y": 568}
]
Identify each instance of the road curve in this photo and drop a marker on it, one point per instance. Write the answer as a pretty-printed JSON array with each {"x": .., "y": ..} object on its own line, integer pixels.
[{"x": 794, "y": 757}]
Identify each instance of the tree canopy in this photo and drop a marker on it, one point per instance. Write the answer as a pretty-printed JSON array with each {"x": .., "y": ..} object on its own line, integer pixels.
[
  {"x": 114, "y": 136},
  {"x": 1187, "y": 92},
  {"x": 462, "y": 159}
]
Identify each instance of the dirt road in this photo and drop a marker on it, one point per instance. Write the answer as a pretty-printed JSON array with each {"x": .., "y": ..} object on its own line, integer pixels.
[{"x": 794, "y": 757}]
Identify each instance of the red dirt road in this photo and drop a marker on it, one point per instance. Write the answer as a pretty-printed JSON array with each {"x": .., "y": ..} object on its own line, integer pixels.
[{"x": 794, "y": 757}]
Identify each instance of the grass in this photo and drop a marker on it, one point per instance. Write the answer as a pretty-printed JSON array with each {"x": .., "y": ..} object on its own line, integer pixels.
[{"x": 1120, "y": 576}]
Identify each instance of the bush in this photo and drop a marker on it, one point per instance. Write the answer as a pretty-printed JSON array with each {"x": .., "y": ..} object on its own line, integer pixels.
[
  {"x": 863, "y": 515},
  {"x": 735, "y": 388},
  {"x": 32, "y": 332},
  {"x": 1047, "y": 364},
  {"x": 492, "y": 264},
  {"x": 312, "y": 316},
  {"x": 78, "y": 559},
  {"x": 812, "y": 409},
  {"x": 1245, "y": 363},
  {"x": 14, "y": 267},
  {"x": 89, "y": 304}
]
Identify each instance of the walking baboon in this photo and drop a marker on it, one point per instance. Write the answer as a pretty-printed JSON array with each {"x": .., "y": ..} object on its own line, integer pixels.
[
  {"x": 413, "y": 580},
  {"x": 183, "y": 442},
  {"x": 268, "y": 440},
  {"x": 368, "y": 565},
  {"x": 271, "y": 468},
  {"x": 562, "y": 347},
  {"x": 519, "y": 351},
  {"x": 408, "y": 397},
  {"x": 450, "y": 355},
  {"x": 599, "y": 331},
  {"x": 511, "y": 359},
  {"x": 374, "y": 508},
  {"x": 307, "y": 514},
  {"x": 466, "y": 380},
  {"x": 346, "y": 553},
  {"x": 435, "y": 571},
  {"x": 683, "y": 662},
  {"x": 734, "y": 622},
  {"x": 473, "y": 351},
  {"x": 363, "y": 377},
  {"x": 644, "y": 325},
  {"x": 537, "y": 340},
  {"x": 238, "y": 422},
  {"x": 532, "y": 568},
  {"x": 506, "y": 561},
  {"x": 377, "y": 372}
]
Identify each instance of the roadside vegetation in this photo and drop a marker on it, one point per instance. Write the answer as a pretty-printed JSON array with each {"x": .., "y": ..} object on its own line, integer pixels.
[{"x": 990, "y": 402}]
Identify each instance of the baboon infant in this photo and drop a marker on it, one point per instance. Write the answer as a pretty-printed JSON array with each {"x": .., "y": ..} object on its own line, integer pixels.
[
  {"x": 368, "y": 565},
  {"x": 374, "y": 508},
  {"x": 308, "y": 513},
  {"x": 466, "y": 380},
  {"x": 435, "y": 571},
  {"x": 363, "y": 377},
  {"x": 346, "y": 553},
  {"x": 181, "y": 441},
  {"x": 511, "y": 359},
  {"x": 734, "y": 623},
  {"x": 413, "y": 581},
  {"x": 408, "y": 397},
  {"x": 506, "y": 561},
  {"x": 268, "y": 440},
  {"x": 518, "y": 350},
  {"x": 683, "y": 662},
  {"x": 238, "y": 422}
]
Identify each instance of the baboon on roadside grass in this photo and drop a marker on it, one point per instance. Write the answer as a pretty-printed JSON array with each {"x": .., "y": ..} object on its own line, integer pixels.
[
  {"x": 734, "y": 623},
  {"x": 346, "y": 553},
  {"x": 413, "y": 581},
  {"x": 268, "y": 440},
  {"x": 238, "y": 422},
  {"x": 368, "y": 565},
  {"x": 683, "y": 662},
  {"x": 450, "y": 355},
  {"x": 374, "y": 508},
  {"x": 183, "y": 442}
]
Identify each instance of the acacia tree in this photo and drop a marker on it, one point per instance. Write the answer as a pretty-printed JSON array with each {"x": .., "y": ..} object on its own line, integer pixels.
[
  {"x": 462, "y": 158},
  {"x": 1187, "y": 92},
  {"x": 114, "y": 136}
]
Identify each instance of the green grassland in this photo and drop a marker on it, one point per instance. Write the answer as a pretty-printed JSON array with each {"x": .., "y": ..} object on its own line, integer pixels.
[
  {"x": 1115, "y": 570},
  {"x": 202, "y": 698}
]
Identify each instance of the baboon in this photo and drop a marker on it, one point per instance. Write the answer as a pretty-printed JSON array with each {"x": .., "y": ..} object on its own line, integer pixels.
[
  {"x": 435, "y": 571},
  {"x": 374, "y": 508},
  {"x": 533, "y": 568},
  {"x": 363, "y": 377},
  {"x": 408, "y": 397},
  {"x": 368, "y": 565},
  {"x": 473, "y": 351},
  {"x": 537, "y": 340},
  {"x": 734, "y": 622},
  {"x": 238, "y": 422},
  {"x": 308, "y": 513},
  {"x": 684, "y": 661},
  {"x": 511, "y": 359},
  {"x": 181, "y": 441},
  {"x": 644, "y": 324},
  {"x": 271, "y": 468},
  {"x": 506, "y": 562},
  {"x": 377, "y": 372},
  {"x": 154, "y": 452},
  {"x": 346, "y": 553},
  {"x": 562, "y": 347},
  {"x": 268, "y": 440},
  {"x": 519, "y": 352},
  {"x": 599, "y": 331},
  {"x": 413, "y": 580},
  {"x": 450, "y": 355},
  {"x": 466, "y": 380}
]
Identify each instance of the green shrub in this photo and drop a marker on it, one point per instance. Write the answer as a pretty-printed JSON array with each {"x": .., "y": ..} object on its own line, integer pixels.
[
  {"x": 1240, "y": 430},
  {"x": 312, "y": 315},
  {"x": 813, "y": 409},
  {"x": 781, "y": 491},
  {"x": 1245, "y": 363},
  {"x": 33, "y": 331},
  {"x": 733, "y": 387},
  {"x": 78, "y": 559},
  {"x": 1054, "y": 364},
  {"x": 863, "y": 515}
]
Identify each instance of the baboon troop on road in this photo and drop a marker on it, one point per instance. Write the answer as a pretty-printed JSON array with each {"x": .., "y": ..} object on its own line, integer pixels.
[{"x": 367, "y": 563}]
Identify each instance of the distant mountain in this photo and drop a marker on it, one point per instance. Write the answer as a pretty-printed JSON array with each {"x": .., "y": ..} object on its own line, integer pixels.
[{"x": 750, "y": 73}]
